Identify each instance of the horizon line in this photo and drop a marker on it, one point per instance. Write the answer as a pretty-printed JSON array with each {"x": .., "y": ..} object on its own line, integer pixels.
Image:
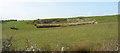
[{"x": 60, "y": 17}]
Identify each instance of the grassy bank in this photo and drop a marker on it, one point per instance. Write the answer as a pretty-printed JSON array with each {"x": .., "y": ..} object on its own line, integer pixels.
[{"x": 88, "y": 35}]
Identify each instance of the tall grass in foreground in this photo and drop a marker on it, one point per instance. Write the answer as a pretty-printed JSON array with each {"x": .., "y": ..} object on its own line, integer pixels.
[{"x": 109, "y": 46}]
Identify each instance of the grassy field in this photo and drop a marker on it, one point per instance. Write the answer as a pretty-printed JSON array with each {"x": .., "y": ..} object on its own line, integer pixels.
[{"x": 87, "y": 35}]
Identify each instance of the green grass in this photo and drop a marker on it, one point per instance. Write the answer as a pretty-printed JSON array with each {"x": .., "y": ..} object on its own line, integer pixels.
[
  {"x": 91, "y": 34},
  {"x": 100, "y": 19}
]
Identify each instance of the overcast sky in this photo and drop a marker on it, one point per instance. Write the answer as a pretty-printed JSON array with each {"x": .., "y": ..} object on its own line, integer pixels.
[{"x": 42, "y": 9}]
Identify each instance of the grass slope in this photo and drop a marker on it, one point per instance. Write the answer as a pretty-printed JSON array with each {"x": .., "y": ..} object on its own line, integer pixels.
[{"x": 92, "y": 34}]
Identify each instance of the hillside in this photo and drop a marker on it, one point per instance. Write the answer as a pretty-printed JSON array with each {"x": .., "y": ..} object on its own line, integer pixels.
[
  {"x": 88, "y": 35},
  {"x": 100, "y": 19}
]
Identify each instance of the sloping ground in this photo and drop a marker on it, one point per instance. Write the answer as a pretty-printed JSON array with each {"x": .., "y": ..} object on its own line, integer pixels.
[
  {"x": 88, "y": 35},
  {"x": 100, "y": 19}
]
